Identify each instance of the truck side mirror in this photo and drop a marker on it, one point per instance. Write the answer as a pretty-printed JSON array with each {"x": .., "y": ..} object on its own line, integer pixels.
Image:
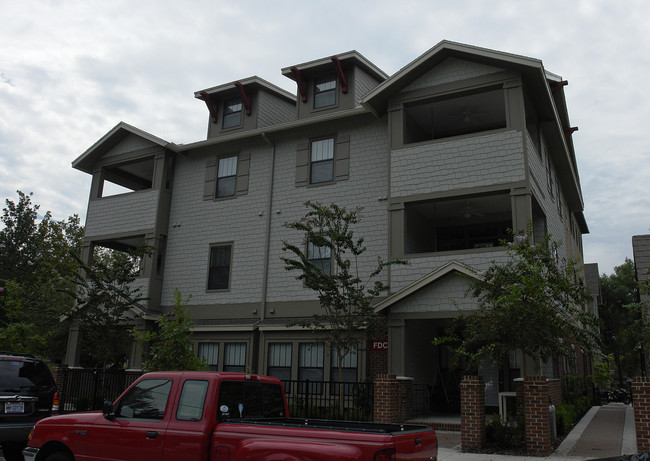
[{"x": 107, "y": 410}]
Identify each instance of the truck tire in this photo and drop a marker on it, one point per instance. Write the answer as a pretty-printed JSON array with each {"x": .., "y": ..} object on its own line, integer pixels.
[
  {"x": 59, "y": 456},
  {"x": 13, "y": 451}
]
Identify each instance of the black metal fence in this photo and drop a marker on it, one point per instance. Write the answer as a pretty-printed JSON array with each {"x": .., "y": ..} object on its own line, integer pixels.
[
  {"x": 352, "y": 401},
  {"x": 87, "y": 389}
]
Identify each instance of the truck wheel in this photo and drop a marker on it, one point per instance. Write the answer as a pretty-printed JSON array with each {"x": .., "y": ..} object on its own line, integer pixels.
[{"x": 59, "y": 456}]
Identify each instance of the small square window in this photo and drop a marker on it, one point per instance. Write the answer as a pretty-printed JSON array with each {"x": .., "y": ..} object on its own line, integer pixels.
[
  {"x": 232, "y": 110},
  {"x": 219, "y": 271},
  {"x": 227, "y": 177},
  {"x": 321, "y": 167},
  {"x": 325, "y": 91}
]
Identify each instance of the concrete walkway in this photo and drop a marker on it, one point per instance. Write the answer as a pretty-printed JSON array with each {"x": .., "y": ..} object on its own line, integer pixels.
[{"x": 603, "y": 433}]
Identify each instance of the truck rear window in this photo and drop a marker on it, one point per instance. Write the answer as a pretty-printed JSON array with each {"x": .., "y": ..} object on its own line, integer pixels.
[{"x": 246, "y": 399}]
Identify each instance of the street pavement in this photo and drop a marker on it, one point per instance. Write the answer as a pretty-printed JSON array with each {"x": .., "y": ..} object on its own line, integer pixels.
[{"x": 604, "y": 433}]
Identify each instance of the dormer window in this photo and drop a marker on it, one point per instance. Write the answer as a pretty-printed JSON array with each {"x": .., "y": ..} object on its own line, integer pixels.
[
  {"x": 232, "y": 110},
  {"x": 325, "y": 91}
]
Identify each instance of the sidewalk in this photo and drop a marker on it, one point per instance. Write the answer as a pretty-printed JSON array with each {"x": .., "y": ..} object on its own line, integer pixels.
[{"x": 603, "y": 433}]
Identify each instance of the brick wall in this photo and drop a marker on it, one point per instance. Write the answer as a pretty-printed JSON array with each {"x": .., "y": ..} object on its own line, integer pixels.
[
  {"x": 555, "y": 391},
  {"x": 393, "y": 399},
  {"x": 472, "y": 413},
  {"x": 377, "y": 359},
  {"x": 641, "y": 393},
  {"x": 536, "y": 403}
]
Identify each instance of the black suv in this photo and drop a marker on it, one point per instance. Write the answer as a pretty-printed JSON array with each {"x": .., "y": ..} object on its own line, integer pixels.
[{"x": 27, "y": 394}]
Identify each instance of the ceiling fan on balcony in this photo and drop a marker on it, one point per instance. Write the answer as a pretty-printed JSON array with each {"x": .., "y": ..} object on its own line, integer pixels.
[{"x": 468, "y": 211}]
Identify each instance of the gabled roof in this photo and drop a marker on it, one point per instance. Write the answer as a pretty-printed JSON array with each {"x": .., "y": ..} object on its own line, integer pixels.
[
  {"x": 376, "y": 99},
  {"x": 450, "y": 267},
  {"x": 250, "y": 82},
  {"x": 86, "y": 161},
  {"x": 351, "y": 57}
]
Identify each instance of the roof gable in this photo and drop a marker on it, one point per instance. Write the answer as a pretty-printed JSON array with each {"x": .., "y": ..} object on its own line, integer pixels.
[
  {"x": 415, "y": 287},
  {"x": 108, "y": 143}
]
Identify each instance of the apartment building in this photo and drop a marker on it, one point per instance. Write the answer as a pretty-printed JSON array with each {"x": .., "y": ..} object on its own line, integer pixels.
[
  {"x": 444, "y": 156},
  {"x": 641, "y": 252}
]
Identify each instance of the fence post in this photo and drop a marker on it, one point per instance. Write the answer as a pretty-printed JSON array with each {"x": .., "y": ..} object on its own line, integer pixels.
[
  {"x": 307, "y": 398},
  {"x": 641, "y": 394},
  {"x": 472, "y": 413},
  {"x": 538, "y": 427}
]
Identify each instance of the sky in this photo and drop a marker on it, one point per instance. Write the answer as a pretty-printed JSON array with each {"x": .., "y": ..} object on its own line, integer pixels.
[{"x": 72, "y": 70}]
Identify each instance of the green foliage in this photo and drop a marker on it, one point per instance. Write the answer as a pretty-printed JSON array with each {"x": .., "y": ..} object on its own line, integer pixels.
[
  {"x": 622, "y": 328},
  {"x": 565, "y": 417},
  {"x": 503, "y": 435},
  {"x": 170, "y": 346},
  {"x": 345, "y": 295},
  {"x": 105, "y": 295},
  {"x": 579, "y": 392},
  {"x": 533, "y": 302},
  {"x": 36, "y": 270},
  {"x": 603, "y": 376}
]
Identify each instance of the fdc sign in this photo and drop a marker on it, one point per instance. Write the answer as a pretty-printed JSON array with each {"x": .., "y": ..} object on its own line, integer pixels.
[{"x": 380, "y": 345}]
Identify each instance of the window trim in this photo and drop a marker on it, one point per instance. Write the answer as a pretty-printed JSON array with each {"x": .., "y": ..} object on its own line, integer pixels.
[{"x": 230, "y": 264}]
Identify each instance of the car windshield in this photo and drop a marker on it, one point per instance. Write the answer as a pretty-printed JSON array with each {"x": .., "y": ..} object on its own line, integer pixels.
[{"x": 16, "y": 375}]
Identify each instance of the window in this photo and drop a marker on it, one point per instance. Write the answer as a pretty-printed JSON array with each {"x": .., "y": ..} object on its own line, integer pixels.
[
  {"x": 321, "y": 257},
  {"x": 190, "y": 405},
  {"x": 234, "y": 358},
  {"x": 227, "y": 176},
  {"x": 349, "y": 369},
  {"x": 210, "y": 352},
  {"x": 279, "y": 365},
  {"x": 219, "y": 272},
  {"x": 324, "y": 91},
  {"x": 310, "y": 366},
  {"x": 248, "y": 399},
  {"x": 147, "y": 400},
  {"x": 322, "y": 161},
  {"x": 232, "y": 110},
  {"x": 455, "y": 115}
]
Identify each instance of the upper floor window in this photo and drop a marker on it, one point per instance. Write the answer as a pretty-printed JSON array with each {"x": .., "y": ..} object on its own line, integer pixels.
[
  {"x": 325, "y": 91},
  {"x": 219, "y": 270},
  {"x": 232, "y": 110},
  {"x": 226, "y": 176},
  {"x": 321, "y": 257},
  {"x": 321, "y": 167},
  {"x": 454, "y": 115}
]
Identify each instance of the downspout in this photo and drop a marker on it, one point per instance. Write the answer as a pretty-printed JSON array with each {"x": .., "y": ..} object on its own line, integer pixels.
[{"x": 267, "y": 246}]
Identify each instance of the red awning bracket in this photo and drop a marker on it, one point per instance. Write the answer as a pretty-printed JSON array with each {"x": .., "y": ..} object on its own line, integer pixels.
[
  {"x": 208, "y": 102},
  {"x": 339, "y": 72},
  {"x": 246, "y": 100},
  {"x": 302, "y": 85},
  {"x": 555, "y": 87}
]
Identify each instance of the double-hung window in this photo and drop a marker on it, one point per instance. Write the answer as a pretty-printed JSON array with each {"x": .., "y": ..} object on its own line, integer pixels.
[
  {"x": 232, "y": 110},
  {"x": 321, "y": 257},
  {"x": 279, "y": 365},
  {"x": 227, "y": 176},
  {"x": 321, "y": 168},
  {"x": 234, "y": 357},
  {"x": 210, "y": 352},
  {"x": 349, "y": 365},
  {"x": 310, "y": 367},
  {"x": 325, "y": 91},
  {"x": 219, "y": 270}
]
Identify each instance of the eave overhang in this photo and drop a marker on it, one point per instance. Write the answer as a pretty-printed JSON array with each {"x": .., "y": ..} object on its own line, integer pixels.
[
  {"x": 348, "y": 60},
  {"x": 247, "y": 84}
]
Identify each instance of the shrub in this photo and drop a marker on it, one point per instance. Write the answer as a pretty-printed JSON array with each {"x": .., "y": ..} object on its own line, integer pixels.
[
  {"x": 565, "y": 416},
  {"x": 503, "y": 435}
]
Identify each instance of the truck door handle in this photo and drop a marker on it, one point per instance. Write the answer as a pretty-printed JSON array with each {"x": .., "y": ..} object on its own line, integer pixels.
[{"x": 152, "y": 434}]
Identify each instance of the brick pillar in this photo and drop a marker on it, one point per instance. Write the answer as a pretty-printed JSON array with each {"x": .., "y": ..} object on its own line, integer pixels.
[
  {"x": 472, "y": 413},
  {"x": 538, "y": 418},
  {"x": 393, "y": 399},
  {"x": 641, "y": 395}
]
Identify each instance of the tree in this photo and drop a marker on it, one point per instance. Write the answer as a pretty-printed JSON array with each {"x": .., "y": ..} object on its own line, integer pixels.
[
  {"x": 170, "y": 347},
  {"x": 345, "y": 297},
  {"x": 534, "y": 302},
  {"x": 105, "y": 295},
  {"x": 36, "y": 267},
  {"x": 622, "y": 330}
]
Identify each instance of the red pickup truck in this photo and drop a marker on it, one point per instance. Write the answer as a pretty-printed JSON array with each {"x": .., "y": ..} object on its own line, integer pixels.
[{"x": 201, "y": 416}]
